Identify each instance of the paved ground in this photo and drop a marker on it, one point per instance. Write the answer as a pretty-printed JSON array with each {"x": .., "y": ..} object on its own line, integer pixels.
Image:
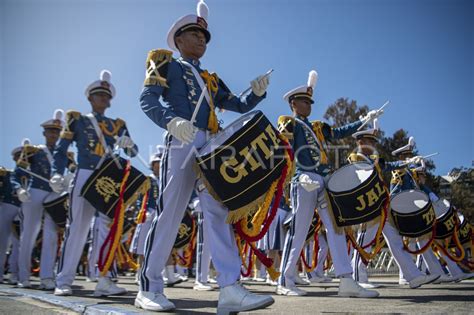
[{"x": 456, "y": 298}]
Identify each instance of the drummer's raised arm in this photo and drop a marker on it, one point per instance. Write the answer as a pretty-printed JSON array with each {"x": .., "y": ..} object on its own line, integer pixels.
[
  {"x": 60, "y": 158},
  {"x": 343, "y": 131},
  {"x": 227, "y": 100}
]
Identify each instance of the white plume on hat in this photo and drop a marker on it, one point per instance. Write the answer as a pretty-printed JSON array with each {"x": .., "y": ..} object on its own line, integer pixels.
[
  {"x": 202, "y": 10},
  {"x": 58, "y": 114},
  {"x": 411, "y": 141},
  {"x": 312, "y": 79},
  {"x": 106, "y": 75},
  {"x": 25, "y": 141}
]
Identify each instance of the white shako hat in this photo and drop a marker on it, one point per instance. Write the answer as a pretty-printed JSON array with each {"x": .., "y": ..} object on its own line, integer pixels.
[{"x": 190, "y": 21}]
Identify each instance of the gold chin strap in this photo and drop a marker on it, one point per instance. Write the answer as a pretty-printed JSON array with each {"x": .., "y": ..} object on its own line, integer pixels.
[{"x": 212, "y": 87}]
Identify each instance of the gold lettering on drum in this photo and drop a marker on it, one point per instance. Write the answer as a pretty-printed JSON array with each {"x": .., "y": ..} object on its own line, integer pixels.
[
  {"x": 450, "y": 223},
  {"x": 106, "y": 187},
  {"x": 465, "y": 230},
  {"x": 272, "y": 135},
  {"x": 235, "y": 167},
  {"x": 362, "y": 203},
  {"x": 233, "y": 170},
  {"x": 245, "y": 153},
  {"x": 372, "y": 197},
  {"x": 259, "y": 141},
  {"x": 429, "y": 216}
]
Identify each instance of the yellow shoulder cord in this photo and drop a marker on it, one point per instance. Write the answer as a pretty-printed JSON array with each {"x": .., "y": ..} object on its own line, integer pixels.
[
  {"x": 317, "y": 128},
  {"x": 212, "y": 87}
]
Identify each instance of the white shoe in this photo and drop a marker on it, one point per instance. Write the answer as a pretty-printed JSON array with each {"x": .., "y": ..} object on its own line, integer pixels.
[
  {"x": 13, "y": 279},
  {"x": 421, "y": 280},
  {"x": 24, "y": 285},
  {"x": 269, "y": 281},
  {"x": 463, "y": 276},
  {"x": 444, "y": 279},
  {"x": 172, "y": 278},
  {"x": 153, "y": 301},
  {"x": 403, "y": 282},
  {"x": 91, "y": 279},
  {"x": 369, "y": 285},
  {"x": 63, "y": 291},
  {"x": 211, "y": 280},
  {"x": 258, "y": 279},
  {"x": 47, "y": 284},
  {"x": 235, "y": 298},
  {"x": 106, "y": 287},
  {"x": 301, "y": 281},
  {"x": 202, "y": 287},
  {"x": 349, "y": 288},
  {"x": 290, "y": 291},
  {"x": 319, "y": 279}
]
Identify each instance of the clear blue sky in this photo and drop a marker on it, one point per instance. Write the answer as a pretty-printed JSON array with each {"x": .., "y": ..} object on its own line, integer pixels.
[{"x": 416, "y": 53}]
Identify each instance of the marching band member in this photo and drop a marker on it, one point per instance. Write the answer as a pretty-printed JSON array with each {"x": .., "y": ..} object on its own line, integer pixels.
[
  {"x": 366, "y": 152},
  {"x": 179, "y": 82},
  {"x": 32, "y": 190},
  {"x": 94, "y": 135},
  {"x": 307, "y": 192},
  {"x": 9, "y": 208}
]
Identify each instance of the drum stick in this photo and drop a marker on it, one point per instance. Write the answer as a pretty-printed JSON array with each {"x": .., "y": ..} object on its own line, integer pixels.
[
  {"x": 378, "y": 110},
  {"x": 34, "y": 174},
  {"x": 249, "y": 88},
  {"x": 198, "y": 105}
]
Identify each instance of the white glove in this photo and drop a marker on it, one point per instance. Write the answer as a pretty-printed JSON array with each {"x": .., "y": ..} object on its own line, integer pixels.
[
  {"x": 57, "y": 183},
  {"x": 182, "y": 129},
  {"x": 260, "y": 85},
  {"x": 415, "y": 160},
  {"x": 125, "y": 142},
  {"x": 371, "y": 115},
  {"x": 308, "y": 184},
  {"x": 23, "y": 195}
]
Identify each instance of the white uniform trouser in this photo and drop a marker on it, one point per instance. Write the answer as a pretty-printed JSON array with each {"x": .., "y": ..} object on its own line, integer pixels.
[
  {"x": 176, "y": 185},
  {"x": 8, "y": 213},
  {"x": 49, "y": 248},
  {"x": 304, "y": 203},
  {"x": 395, "y": 243},
  {"x": 203, "y": 254},
  {"x": 429, "y": 258},
  {"x": 322, "y": 255},
  {"x": 452, "y": 266},
  {"x": 80, "y": 215},
  {"x": 13, "y": 258},
  {"x": 137, "y": 245},
  {"x": 31, "y": 217},
  {"x": 93, "y": 252}
]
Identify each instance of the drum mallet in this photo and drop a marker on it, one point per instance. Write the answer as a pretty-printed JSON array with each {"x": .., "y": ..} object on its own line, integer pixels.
[
  {"x": 34, "y": 174},
  {"x": 378, "y": 110},
  {"x": 267, "y": 74}
]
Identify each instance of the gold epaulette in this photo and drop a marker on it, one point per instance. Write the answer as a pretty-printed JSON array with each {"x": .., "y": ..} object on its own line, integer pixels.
[
  {"x": 3, "y": 171},
  {"x": 397, "y": 176},
  {"x": 26, "y": 153},
  {"x": 119, "y": 123},
  {"x": 286, "y": 126},
  {"x": 355, "y": 157},
  {"x": 71, "y": 116},
  {"x": 156, "y": 68}
]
